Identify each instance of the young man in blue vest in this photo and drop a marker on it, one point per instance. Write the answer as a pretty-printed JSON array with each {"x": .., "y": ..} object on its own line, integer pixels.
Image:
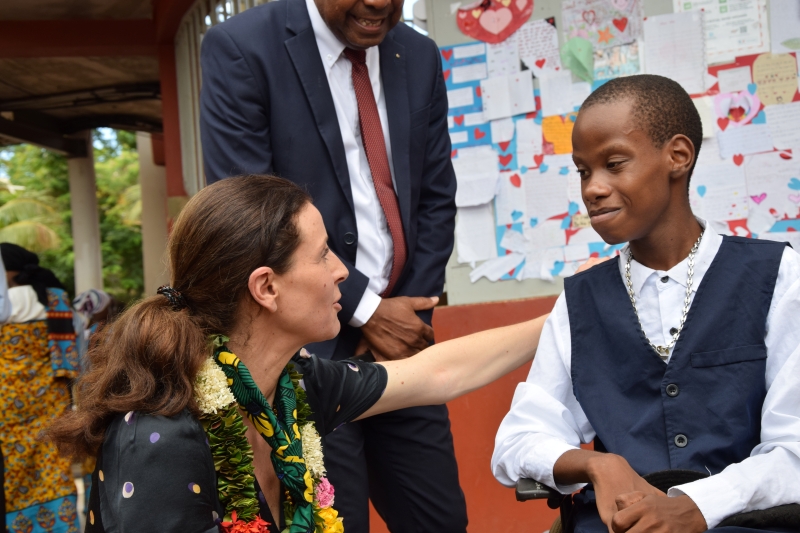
[{"x": 681, "y": 354}]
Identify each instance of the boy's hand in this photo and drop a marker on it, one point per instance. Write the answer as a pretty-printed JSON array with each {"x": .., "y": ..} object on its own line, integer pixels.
[
  {"x": 640, "y": 513},
  {"x": 612, "y": 476}
]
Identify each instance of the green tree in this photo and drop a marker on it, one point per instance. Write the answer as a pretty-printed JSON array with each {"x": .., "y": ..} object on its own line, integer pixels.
[{"x": 45, "y": 178}]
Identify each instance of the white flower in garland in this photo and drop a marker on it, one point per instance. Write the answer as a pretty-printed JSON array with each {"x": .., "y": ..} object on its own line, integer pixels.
[
  {"x": 312, "y": 450},
  {"x": 211, "y": 390}
]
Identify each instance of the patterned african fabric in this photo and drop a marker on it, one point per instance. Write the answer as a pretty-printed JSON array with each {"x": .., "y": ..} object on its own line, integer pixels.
[{"x": 36, "y": 363}]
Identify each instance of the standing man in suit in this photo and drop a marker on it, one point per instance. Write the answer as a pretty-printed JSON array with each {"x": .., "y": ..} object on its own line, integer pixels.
[{"x": 338, "y": 97}]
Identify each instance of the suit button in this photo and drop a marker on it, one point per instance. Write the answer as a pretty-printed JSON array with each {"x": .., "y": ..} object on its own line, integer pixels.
[
  {"x": 349, "y": 238},
  {"x": 681, "y": 440},
  {"x": 672, "y": 390}
]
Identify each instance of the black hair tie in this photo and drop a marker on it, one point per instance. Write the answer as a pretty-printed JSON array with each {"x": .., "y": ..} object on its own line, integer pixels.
[{"x": 175, "y": 298}]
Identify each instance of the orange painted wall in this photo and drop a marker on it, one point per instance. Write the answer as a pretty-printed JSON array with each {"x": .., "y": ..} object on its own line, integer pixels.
[{"x": 475, "y": 419}]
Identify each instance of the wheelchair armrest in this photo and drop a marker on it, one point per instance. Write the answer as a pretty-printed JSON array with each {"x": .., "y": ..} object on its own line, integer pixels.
[{"x": 528, "y": 489}]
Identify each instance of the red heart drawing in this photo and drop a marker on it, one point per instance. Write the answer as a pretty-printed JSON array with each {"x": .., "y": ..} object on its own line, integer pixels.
[
  {"x": 505, "y": 159},
  {"x": 493, "y": 21},
  {"x": 446, "y": 74},
  {"x": 736, "y": 113},
  {"x": 722, "y": 123},
  {"x": 785, "y": 155},
  {"x": 621, "y": 24},
  {"x": 447, "y": 54},
  {"x": 760, "y": 198},
  {"x": 459, "y": 119},
  {"x": 516, "y": 181},
  {"x": 479, "y": 134},
  {"x": 738, "y": 159},
  {"x": 538, "y": 158},
  {"x": 540, "y": 62},
  {"x": 589, "y": 17},
  {"x": 478, "y": 91},
  {"x": 504, "y": 146},
  {"x": 453, "y": 154}
]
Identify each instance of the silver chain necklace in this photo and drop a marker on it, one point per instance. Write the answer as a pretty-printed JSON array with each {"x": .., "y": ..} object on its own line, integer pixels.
[{"x": 663, "y": 351}]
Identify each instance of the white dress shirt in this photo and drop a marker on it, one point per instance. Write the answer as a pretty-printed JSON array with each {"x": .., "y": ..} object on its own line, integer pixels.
[
  {"x": 375, "y": 250},
  {"x": 546, "y": 419}
]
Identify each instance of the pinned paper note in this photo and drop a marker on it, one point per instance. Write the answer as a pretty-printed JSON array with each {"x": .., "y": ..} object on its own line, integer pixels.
[
  {"x": 495, "y": 269},
  {"x": 577, "y": 55},
  {"x": 475, "y": 238},
  {"x": 784, "y": 22},
  {"x": 675, "y": 48},
  {"x": 706, "y": 111},
  {"x": 529, "y": 143},
  {"x": 503, "y": 58},
  {"x": 548, "y": 234},
  {"x": 505, "y": 96},
  {"x": 730, "y": 33},
  {"x": 783, "y": 122},
  {"x": 557, "y": 131},
  {"x": 769, "y": 180},
  {"x": 622, "y": 60},
  {"x": 734, "y": 80},
  {"x": 509, "y": 204},
  {"x": 537, "y": 42},
  {"x": 502, "y": 130},
  {"x": 471, "y": 72},
  {"x": 775, "y": 76},
  {"x": 476, "y": 175},
  {"x": 719, "y": 192},
  {"x": 559, "y": 95},
  {"x": 545, "y": 194},
  {"x": 460, "y": 97},
  {"x": 604, "y": 23},
  {"x": 751, "y": 139}
]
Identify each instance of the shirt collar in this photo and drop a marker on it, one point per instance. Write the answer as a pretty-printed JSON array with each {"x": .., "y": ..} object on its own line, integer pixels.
[
  {"x": 330, "y": 47},
  {"x": 709, "y": 245}
]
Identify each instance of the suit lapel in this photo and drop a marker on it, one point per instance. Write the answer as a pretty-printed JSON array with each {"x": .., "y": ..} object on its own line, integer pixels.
[
  {"x": 304, "y": 53},
  {"x": 395, "y": 88}
]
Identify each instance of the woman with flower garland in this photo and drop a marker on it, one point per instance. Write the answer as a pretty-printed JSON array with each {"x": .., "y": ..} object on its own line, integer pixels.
[{"x": 202, "y": 410}]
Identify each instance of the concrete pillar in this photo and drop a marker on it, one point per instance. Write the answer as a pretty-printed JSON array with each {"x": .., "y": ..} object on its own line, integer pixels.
[
  {"x": 85, "y": 221},
  {"x": 153, "y": 181}
]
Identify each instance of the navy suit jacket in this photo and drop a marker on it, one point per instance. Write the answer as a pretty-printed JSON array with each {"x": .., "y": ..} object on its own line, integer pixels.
[{"x": 266, "y": 108}]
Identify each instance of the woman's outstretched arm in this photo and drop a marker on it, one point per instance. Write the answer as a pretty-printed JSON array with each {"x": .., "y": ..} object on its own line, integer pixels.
[{"x": 450, "y": 369}]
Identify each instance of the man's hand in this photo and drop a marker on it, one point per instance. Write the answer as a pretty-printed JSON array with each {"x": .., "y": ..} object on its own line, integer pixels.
[
  {"x": 612, "y": 476},
  {"x": 640, "y": 513},
  {"x": 395, "y": 331}
]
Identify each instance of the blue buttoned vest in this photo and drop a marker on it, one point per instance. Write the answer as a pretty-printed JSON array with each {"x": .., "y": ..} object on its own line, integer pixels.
[{"x": 702, "y": 411}]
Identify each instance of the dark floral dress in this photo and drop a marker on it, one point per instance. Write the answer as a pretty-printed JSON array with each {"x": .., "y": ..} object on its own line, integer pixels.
[{"x": 156, "y": 474}]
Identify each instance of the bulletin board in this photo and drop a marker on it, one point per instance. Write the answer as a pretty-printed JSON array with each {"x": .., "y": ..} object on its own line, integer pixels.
[{"x": 522, "y": 226}]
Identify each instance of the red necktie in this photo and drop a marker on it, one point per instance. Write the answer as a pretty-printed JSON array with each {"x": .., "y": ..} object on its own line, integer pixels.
[{"x": 375, "y": 147}]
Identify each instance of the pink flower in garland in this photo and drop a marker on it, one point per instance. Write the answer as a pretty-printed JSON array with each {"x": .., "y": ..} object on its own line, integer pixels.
[{"x": 324, "y": 492}]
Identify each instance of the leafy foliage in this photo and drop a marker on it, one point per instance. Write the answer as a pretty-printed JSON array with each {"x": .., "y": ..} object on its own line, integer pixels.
[{"x": 39, "y": 217}]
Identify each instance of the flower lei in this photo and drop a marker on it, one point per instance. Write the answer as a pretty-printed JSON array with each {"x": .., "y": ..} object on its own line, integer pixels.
[{"x": 222, "y": 387}]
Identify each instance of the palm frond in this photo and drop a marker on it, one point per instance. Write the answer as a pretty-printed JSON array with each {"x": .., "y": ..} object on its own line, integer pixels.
[
  {"x": 32, "y": 235},
  {"x": 21, "y": 209}
]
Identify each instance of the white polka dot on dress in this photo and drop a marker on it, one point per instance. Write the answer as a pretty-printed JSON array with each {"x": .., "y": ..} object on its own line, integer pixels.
[
  {"x": 194, "y": 487},
  {"x": 129, "y": 417},
  {"x": 101, "y": 476},
  {"x": 154, "y": 437},
  {"x": 127, "y": 489}
]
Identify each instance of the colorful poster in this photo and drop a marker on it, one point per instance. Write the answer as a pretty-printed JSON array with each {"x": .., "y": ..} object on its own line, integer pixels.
[{"x": 604, "y": 23}]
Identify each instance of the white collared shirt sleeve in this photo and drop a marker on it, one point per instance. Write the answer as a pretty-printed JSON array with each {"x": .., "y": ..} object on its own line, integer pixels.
[
  {"x": 771, "y": 475},
  {"x": 5, "y": 303},
  {"x": 366, "y": 308},
  {"x": 545, "y": 419}
]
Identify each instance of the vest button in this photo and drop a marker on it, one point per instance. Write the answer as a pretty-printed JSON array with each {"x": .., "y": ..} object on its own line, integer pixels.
[
  {"x": 665, "y": 279},
  {"x": 681, "y": 440},
  {"x": 672, "y": 390},
  {"x": 349, "y": 238}
]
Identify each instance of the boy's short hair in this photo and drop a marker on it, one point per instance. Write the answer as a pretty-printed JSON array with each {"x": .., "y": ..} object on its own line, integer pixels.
[{"x": 660, "y": 105}]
